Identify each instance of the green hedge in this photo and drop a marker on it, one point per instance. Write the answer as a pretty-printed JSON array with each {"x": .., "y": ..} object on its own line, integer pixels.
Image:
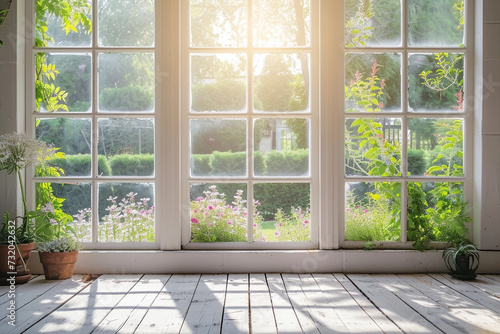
[
  {"x": 132, "y": 165},
  {"x": 274, "y": 196},
  {"x": 228, "y": 163},
  {"x": 286, "y": 163},
  {"x": 80, "y": 164},
  {"x": 132, "y": 98},
  {"x": 200, "y": 164}
]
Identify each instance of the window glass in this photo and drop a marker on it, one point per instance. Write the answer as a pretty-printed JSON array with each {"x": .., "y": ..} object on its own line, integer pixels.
[{"x": 126, "y": 22}]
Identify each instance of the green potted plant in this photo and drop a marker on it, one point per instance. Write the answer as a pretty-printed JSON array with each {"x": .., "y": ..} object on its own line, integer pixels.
[
  {"x": 59, "y": 252},
  {"x": 17, "y": 234},
  {"x": 462, "y": 260}
]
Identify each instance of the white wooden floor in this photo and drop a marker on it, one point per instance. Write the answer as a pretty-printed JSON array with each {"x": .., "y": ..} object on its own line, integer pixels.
[{"x": 255, "y": 303}]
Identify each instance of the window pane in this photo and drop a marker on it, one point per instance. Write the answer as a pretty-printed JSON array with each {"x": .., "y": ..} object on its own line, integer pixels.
[
  {"x": 435, "y": 147},
  {"x": 373, "y": 147},
  {"x": 126, "y": 22},
  {"x": 219, "y": 82},
  {"x": 73, "y": 32},
  {"x": 126, "y": 212},
  {"x": 281, "y": 23},
  {"x": 372, "y": 82},
  {"x": 282, "y": 212},
  {"x": 126, "y": 147},
  {"x": 435, "y": 212},
  {"x": 218, "y": 23},
  {"x": 75, "y": 207},
  {"x": 281, "y": 82},
  {"x": 72, "y": 136},
  {"x": 436, "y": 23},
  {"x": 63, "y": 82},
  {"x": 218, "y": 147},
  {"x": 372, "y": 23},
  {"x": 281, "y": 147},
  {"x": 373, "y": 211},
  {"x": 218, "y": 212},
  {"x": 436, "y": 82},
  {"x": 126, "y": 82}
]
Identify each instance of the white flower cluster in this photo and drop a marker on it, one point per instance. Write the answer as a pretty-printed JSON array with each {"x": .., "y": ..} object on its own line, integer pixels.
[{"x": 20, "y": 150}]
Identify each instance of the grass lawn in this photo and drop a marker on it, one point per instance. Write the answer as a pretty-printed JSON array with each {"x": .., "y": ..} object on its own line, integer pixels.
[{"x": 268, "y": 230}]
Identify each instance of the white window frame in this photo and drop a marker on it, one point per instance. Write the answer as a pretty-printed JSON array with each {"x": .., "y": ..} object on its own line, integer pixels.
[
  {"x": 404, "y": 115},
  {"x": 250, "y": 115},
  {"x": 94, "y": 179},
  {"x": 171, "y": 121}
]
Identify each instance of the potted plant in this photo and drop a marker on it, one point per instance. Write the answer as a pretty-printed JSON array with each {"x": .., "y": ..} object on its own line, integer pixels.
[
  {"x": 17, "y": 235},
  {"x": 462, "y": 261},
  {"x": 59, "y": 253}
]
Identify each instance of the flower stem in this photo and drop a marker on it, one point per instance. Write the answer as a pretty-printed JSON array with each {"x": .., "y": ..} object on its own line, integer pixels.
[{"x": 25, "y": 207}]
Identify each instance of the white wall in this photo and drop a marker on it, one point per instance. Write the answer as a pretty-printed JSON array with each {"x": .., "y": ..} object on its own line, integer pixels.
[
  {"x": 8, "y": 103},
  {"x": 487, "y": 118},
  {"x": 486, "y": 170}
]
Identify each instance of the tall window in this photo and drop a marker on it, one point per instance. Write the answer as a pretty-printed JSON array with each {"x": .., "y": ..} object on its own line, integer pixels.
[
  {"x": 404, "y": 116},
  {"x": 94, "y": 75},
  {"x": 241, "y": 134},
  {"x": 249, "y": 106}
]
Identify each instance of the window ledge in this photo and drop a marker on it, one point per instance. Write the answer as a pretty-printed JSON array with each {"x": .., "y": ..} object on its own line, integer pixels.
[{"x": 258, "y": 261}]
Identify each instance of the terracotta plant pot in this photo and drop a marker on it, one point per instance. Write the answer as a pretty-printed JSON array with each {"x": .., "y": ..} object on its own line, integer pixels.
[
  {"x": 22, "y": 275},
  {"x": 58, "y": 265}
]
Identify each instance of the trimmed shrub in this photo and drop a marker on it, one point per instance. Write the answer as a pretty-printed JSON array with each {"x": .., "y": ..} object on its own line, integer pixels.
[
  {"x": 416, "y": 162},
  {"x": 132, "y": 165},
  {"x": 80, "y": 164},
  {"x": 200, "y": 164},
  {"x": 228, "y": 163},
  {"x": 132, "y": 98},
  {"x": 259, "y": 163},
  {"x": 287, "y": 163},
  {"x": 222, "y": 95}
]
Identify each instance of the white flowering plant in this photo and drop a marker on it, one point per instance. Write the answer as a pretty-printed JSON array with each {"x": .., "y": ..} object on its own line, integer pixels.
[{"x": 19, "y": 151}]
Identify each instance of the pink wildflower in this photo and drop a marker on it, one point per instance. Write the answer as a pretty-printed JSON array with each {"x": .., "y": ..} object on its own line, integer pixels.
[{"x": 194, "y": 220}]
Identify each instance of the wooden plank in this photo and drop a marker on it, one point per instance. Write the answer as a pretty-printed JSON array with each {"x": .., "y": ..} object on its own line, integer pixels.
[
  {"x": 205, "y": 313},
  {"x": 300, "y": 303},
  {"x": 86, "y": 310},
  {"x": 383, "y": 322},
  {"x": 496, "y": 278},
  {"x": 262, "y": 319},
  {"x": 286, "y": 319},
  {"x": 128, "y": 313},
  {"x": 335, "y": 297},
  {"x": 449, "y": 310},
  {"x": 44, "y": 304},
  {"x": 325, "y": 317},
  {"x": 169, "y": 309},
  {"x": 236, "y": 315},
  {"x": 486, "y": 284},
  {"x": 29, "y": 291},
  {"x": 392, "y": 305},
  {"x": 469, "y": 291}
]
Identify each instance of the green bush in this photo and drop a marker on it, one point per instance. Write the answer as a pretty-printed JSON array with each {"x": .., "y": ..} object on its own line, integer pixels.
[
  {"x": 288, "y": 162},
  {"x": 229, "y": 163},
  {"x": 259, "y": 163},
  {"x": 132, "y": 98},
  {"x": 132, "y": 165},
  {"x": 416, "y": 162},
  {"x": 223, "y": 95},
  {"x": 200, "y": 164},
  {"x": 275, "y": 196},
  {"x": 80, "y": 164}
]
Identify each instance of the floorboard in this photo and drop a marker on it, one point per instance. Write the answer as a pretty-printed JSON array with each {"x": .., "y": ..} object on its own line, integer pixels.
[{"x": 256, "y": 303}]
